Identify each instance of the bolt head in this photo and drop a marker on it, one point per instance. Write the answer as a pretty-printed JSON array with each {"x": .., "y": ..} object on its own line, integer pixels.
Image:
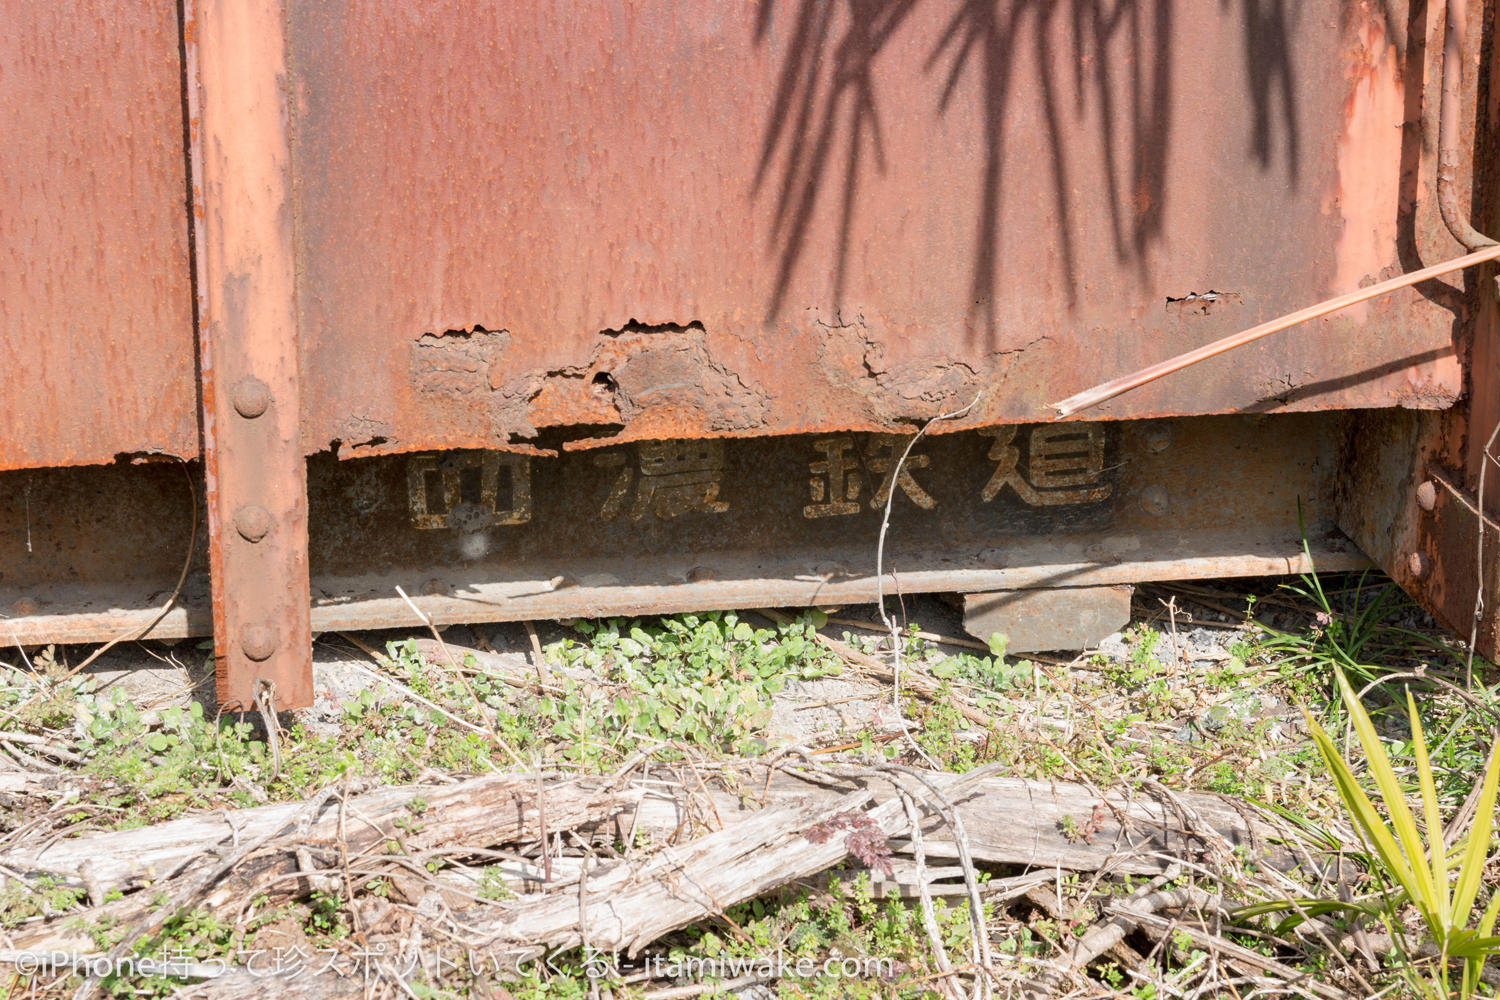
[
  {"x": 1418, "y": 564},
  {"x": 258, "y": 641},
  {"x": 253, "y": 522},
  {"x": 1427, "y": 494},
  {"x": 251, "y": 397}
]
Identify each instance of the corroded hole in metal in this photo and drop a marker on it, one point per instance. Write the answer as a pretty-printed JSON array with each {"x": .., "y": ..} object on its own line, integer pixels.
[
  {"x": 336, "y": 445},
  {"x": 461, "y": 333},
  {"x": 146, "y": 457},
  {"x": 1202, "y": 303},
  {"x": 636, "y": 326},
  {"x": 553, "y": 438}
]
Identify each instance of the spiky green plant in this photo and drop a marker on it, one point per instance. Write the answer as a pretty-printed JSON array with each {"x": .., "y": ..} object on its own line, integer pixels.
[{"x": 1414, "y": 863}]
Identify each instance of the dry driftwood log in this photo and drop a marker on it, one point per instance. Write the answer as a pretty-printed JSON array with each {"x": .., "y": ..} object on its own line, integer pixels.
[
  {"x": 478, "y": 812},
  {"x": 1009, "y": 821},
  {"x": 494, "y": 809},
  {"x": 758, "y": 841},
  {"x": 1016, "y": 821},
  {"x": 628, "y": 904}
]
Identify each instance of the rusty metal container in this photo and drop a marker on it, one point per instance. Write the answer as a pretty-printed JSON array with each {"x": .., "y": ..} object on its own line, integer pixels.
[{"x": 584, "y": 308}]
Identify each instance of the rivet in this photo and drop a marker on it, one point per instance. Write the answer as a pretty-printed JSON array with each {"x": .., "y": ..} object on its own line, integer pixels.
[
  {"x": 1158, "y": 438},
  {"x": 24, "y": 607},
  {"x": 251, "y": 397},
  {"x": 258, "y": 641},
  {"x": 1418, "y": 564},
  {"x": 253, "y": 521},
  {"x": 1154, "y": 500},
  {"x": 1427, "y": 494}
]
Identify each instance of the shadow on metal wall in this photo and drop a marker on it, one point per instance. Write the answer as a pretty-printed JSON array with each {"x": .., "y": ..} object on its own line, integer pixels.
[{"x": 823, "y": 139}]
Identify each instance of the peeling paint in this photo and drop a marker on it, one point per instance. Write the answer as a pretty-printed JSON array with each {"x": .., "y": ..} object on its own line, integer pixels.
[
  {"x": 359, "y": 434},
  {"x": 851, "y": 357},
  {"x": 664, "y": 381},
  {"x": 1429, "y": 394},
  {"x": 458, "y": 362},
  {"x": 657, "y": 380}
]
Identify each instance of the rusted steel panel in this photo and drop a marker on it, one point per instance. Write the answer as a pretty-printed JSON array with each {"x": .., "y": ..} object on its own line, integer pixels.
[
  {"x": 626, "y": 230},
  {"x": 96, "y": 334},
  {"x": 1405, "y": 505},
  {"x": 106, "y": 542},
  {"x": 255, "y": 471},
  {"x": 670, "y": 526},
  {"x": 1482, "y": 415},
  {"x": 652, "y": 219},
  {"x": 1446, "y": 570},
  {"x": 682, "y": 511},
  {"x": 1417, "y": 490}
]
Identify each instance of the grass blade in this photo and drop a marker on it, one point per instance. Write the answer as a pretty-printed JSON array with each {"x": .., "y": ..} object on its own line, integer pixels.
[
  {"x": 1362, "y": 811},
  {"x": 1403, "y": 825},
  {"x": 1477, "y": 848},
  {"x": 1437, "y": 851}
]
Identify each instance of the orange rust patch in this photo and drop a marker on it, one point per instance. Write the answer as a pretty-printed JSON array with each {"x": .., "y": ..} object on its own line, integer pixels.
[{"x": 1369, "y": 159}]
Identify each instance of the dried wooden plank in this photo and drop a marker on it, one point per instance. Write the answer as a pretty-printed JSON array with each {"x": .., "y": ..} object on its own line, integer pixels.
[
  {"x": 1039, "y": 824},
  {"x": 629, "y": 904},
  {"x": 476, "y": 812},
  {"x": 1009, "y": 821},
  {"x": 626, "y": 905}
]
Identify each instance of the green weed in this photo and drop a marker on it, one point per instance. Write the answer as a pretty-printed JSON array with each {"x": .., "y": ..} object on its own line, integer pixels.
[
  {"x": 1415, "y": 863},
  {"x": 703, "y": 680}
]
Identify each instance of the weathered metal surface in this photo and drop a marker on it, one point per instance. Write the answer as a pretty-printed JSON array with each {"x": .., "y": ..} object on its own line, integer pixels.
[
  {"x": 96, "y": 330},
  {"x": 1048, "y": 617},
  {"x": 795, "y": 216},
  {"x": 255, "y": 472},
  {"x": 812, "y": 216},
  {"x": 101, "y": 546},
  {"x": 1418, "y": 521},
  {"x": 1096, "y": 395},
  {"x": 626, "y": 230},
  {"x": 1448, "y": 571},
  {"x": 675, "y": 526},
  {"x": 1410, "y": 496},
  {"x": 1482, "y": 413},
  {"x": 799, "y": 215}
]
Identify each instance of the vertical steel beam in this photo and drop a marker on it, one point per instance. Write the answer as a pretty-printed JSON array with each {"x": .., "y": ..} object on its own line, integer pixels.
[{"x": 239, "y": 95}]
